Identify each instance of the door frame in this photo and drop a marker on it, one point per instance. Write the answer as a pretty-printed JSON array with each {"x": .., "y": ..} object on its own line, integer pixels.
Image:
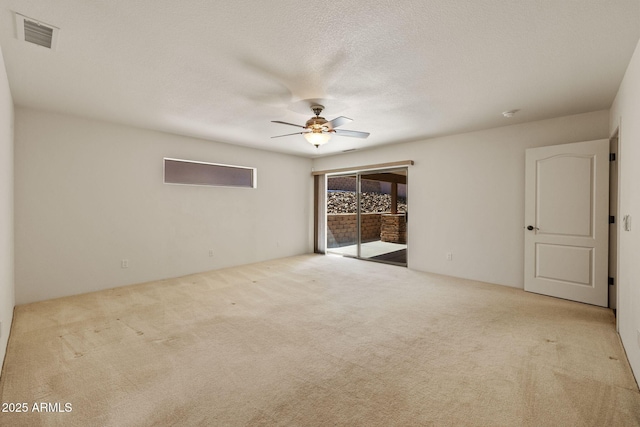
[
  {"x": 321, "y": 228},
  {"x": 320, "y": 193},
  {"x": 614, "y": 210}
]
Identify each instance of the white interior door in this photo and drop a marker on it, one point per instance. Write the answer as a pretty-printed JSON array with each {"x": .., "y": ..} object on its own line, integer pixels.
[{"x": 567, "y": 221}]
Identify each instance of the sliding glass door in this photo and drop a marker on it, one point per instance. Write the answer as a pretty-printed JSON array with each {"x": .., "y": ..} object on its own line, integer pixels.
[
  {"x": 367, "y": 215},
  {"x": 342, "y": 215}
]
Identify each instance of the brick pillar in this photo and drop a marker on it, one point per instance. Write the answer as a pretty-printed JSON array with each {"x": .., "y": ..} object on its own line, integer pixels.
[{"x": 394, "y": 228}]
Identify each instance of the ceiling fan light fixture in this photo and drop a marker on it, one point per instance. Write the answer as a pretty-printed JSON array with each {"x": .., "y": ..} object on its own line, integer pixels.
[
  {"x": 317, "y": 138},
  {"x": 318, "y": 130}
]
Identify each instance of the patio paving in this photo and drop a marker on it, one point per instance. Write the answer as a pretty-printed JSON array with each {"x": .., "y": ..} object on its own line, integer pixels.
[{"x": 369, "y": 249}]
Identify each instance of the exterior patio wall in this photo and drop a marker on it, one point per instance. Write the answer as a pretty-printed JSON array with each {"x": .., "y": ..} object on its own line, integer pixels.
[
  {"x": 348, "y": 183},
  {"x": 342, "y": 229}
]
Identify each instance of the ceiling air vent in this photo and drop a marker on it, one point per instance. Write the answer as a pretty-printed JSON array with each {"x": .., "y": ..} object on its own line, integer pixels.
[{"x": 36, "y": 32}]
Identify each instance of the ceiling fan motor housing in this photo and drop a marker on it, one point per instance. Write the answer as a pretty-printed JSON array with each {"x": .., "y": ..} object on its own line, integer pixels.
[{"x": 317, "y": 124}]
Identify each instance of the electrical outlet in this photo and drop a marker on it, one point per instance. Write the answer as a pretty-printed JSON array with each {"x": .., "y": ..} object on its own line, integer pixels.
[
  {"x": 211, "y": 253},
  {"x": 124, "y": 263},
  {"x": 449, "y": 256}
]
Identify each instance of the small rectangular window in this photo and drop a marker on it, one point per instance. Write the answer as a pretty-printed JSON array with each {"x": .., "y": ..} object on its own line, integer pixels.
[{"x": 190, "y": 172}]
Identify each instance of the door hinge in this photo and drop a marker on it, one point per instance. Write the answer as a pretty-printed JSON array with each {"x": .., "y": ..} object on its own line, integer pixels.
[
  {"x": 612, "y": 219},
  {"x": 611, "y": 281},
  {"x": 612, "y": 157}
]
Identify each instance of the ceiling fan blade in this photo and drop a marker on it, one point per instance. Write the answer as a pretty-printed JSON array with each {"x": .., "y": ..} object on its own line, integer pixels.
[
  {"x": 289, "y": 134},
  {"x": 352, "y": 133},
  {"x": 285, "y": 123},
  {"x": 339, "y": 121}
]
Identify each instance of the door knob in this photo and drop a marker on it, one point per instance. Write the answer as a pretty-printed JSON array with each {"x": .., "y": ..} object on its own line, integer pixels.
[{"x": 531, "y": 227}]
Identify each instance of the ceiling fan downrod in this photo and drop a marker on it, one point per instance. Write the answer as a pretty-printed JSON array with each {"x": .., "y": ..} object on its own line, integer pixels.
[{"x": 317, "y": 109}]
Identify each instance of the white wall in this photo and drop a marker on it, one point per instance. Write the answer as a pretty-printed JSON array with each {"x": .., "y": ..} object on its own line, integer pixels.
[
  {"x": 7, "y": 298},
  {"x": 89, "y": 194},
  {"x": 466, "y": 194},
  {"x": 625, "y": 112}
]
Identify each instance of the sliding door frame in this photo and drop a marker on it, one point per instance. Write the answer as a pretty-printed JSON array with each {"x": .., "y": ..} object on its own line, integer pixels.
[
  {"x": 320, "y": 208},
  {"x": 320, "y": 197}
]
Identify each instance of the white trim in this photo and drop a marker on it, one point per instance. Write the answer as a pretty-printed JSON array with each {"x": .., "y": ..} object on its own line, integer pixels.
[{"x": 380, "y": 166}]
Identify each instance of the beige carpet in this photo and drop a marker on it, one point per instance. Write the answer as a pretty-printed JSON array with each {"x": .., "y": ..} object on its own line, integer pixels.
[{"x": 317, "y": 341}]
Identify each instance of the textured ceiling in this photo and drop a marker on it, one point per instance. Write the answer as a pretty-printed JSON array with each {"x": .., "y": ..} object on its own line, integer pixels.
[{"x": 402, "y": 70}]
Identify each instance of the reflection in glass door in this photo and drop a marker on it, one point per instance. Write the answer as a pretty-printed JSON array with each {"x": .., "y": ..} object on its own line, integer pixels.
[
  {"x": 342, "y": 215},
  {"x": 367, "y": 215}
]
